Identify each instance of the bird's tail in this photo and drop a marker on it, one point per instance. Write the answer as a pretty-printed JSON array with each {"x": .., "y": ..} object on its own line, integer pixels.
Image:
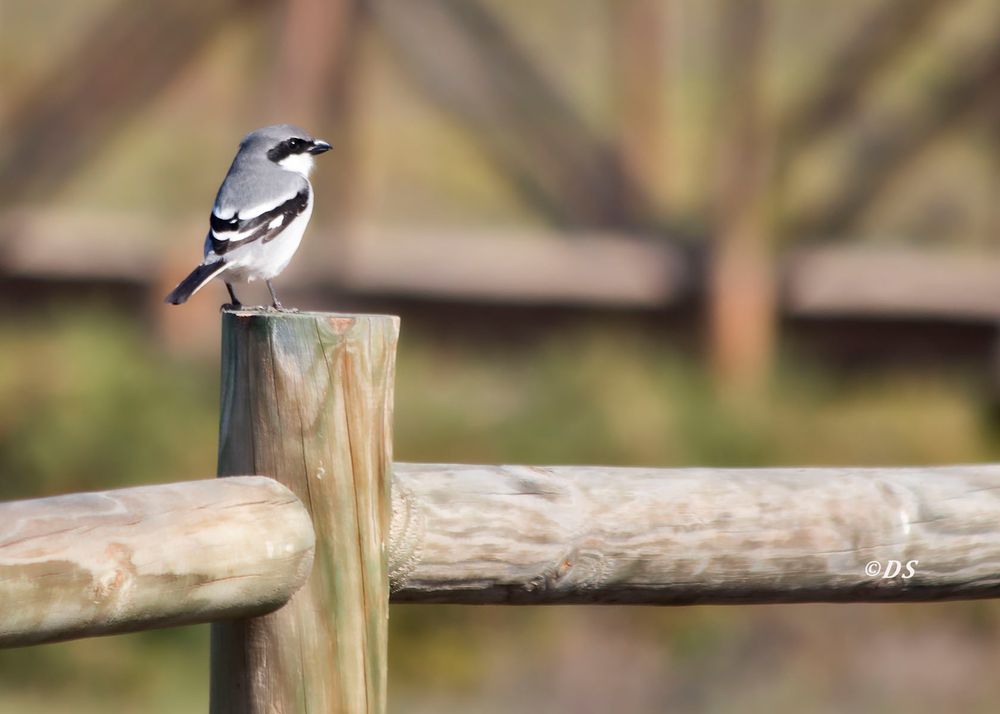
[{"x": 194, "y": 282}]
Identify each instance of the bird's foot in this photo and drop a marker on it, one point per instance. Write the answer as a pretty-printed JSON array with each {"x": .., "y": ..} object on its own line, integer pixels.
[
  {"x": 278, "y": 307},
  {"x": 230, "y": 307}
]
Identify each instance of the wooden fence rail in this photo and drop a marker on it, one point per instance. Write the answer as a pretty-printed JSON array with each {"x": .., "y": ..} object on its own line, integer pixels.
[
  {"x": 198, "y": 551},
  {"x": 136, "y": 558},
  {"x": 582, "y": 534}
]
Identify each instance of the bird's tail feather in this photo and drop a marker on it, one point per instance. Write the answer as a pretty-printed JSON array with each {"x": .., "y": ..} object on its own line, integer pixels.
[{"x": 194, "y": 282}]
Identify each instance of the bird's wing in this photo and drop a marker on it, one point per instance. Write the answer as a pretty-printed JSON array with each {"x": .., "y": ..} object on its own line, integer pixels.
[{"x": 255, "y": 224}]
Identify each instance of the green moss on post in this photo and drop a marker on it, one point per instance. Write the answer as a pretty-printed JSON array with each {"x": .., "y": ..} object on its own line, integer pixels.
[{"x": 307, "y": 400}]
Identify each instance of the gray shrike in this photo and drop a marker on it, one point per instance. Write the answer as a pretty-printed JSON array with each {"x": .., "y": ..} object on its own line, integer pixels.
[{"x": 260, "y": 212}]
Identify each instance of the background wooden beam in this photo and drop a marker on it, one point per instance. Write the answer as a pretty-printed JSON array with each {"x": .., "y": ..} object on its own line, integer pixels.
[
  {"x": 883, "y": 151},
  {"x": 466, "y": 60},
  {"x": 118, "y": 66},
  {"x": 888, "y": 30},
  {"x": 741, "y": 277}
]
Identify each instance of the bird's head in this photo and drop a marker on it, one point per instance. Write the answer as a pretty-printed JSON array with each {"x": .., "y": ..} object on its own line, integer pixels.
[{"x": 289, "y": 146}]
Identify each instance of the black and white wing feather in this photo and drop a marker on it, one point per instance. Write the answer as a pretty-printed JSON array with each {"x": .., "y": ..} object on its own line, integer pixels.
[{"x": 227, "y": 234}]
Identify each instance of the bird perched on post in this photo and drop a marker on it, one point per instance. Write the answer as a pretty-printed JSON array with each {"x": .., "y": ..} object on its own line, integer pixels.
[{"x": 260, "y": 212}]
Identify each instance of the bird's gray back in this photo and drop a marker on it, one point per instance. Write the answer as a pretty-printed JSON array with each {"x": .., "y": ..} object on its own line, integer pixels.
[{"x": 254, "y": 180}]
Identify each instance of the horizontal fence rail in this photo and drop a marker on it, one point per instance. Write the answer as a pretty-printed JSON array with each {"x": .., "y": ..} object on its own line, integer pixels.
[
  {"x": 578, "y": 534},
  {"x": 200, "y": 551},
  {"x": 116, "y": 561}
]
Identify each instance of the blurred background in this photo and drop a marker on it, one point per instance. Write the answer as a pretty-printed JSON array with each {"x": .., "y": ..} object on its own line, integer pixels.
[{"x": 648, "y": 232}]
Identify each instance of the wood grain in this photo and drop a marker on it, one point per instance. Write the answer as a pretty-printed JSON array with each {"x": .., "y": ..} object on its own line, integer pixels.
[
  {"x": 136, "y": 558},
  {"x": 307, "y": 399},
  {"x": 578, "y": 534}
]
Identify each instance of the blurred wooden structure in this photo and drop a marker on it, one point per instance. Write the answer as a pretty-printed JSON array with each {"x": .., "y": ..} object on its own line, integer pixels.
[
  {"x": 598, "y": 269},
  {"x": 746, "y": 262},
  {"x": 307, "y": 398},
  {"x": 740, "y": 285}
]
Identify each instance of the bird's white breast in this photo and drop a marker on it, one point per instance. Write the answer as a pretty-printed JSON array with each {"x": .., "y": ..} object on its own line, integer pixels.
[{"x": 263, "y": 261}]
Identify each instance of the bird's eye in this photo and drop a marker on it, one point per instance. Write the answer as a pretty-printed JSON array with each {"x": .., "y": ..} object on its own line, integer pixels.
[{"x": 295, "y": 144}]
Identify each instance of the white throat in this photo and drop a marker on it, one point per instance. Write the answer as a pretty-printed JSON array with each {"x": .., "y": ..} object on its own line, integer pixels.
[{"x": 301, "y": 164}]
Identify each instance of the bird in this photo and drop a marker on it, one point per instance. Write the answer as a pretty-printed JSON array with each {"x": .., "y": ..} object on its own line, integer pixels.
[{"x": 260, "y": 213}]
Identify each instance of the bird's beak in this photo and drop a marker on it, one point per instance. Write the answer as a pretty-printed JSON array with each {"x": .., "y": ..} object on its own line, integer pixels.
[{"x": 319, "y": 146}]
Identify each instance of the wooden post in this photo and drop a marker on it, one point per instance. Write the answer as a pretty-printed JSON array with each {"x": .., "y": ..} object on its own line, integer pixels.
[
  {"x": 307, "y": 399},
  {"x": 741, "y": 281},
  {"x": 640, "y": 44}
]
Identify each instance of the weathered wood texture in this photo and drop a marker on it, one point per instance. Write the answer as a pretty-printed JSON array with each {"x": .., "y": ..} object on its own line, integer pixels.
[
  {"x": 307, "y": 399},
  {"x": 136, "y": 558},
  {"x": 577, "y": 534}
]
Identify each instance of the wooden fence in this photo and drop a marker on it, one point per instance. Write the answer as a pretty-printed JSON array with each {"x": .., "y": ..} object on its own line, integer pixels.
[{"x": 297, "y": 573}]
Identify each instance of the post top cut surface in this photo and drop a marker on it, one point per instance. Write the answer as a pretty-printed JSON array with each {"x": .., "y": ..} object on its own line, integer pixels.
[{"x": 298, "y": 314}]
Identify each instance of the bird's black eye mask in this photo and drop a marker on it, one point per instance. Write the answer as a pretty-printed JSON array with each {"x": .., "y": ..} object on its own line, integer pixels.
[{"x": 287, "y": 148}]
